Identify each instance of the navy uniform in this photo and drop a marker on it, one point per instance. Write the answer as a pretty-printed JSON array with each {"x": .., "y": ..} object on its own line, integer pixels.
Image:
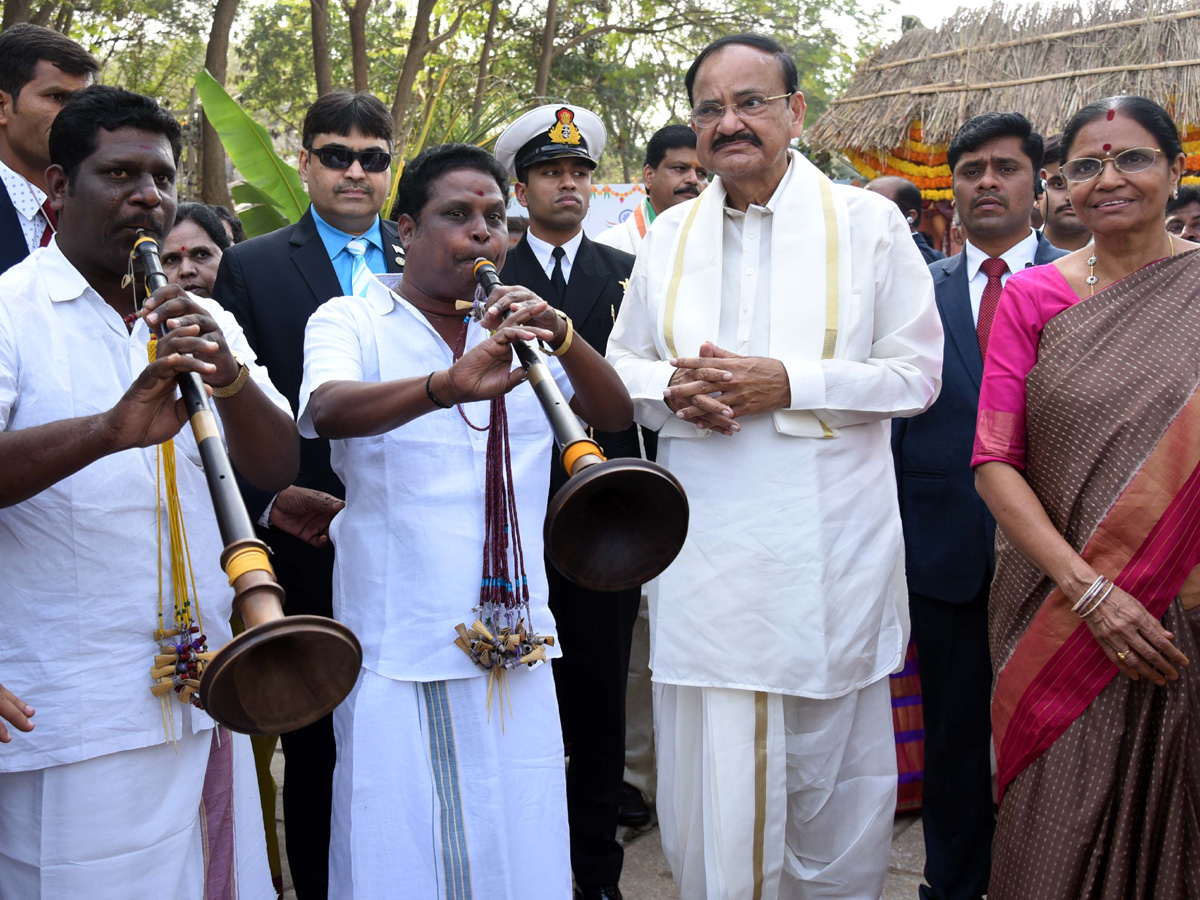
[{"x": 586, "y": 281}]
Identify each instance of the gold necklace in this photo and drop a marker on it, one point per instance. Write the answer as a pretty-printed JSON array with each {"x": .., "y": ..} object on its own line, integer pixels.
[{"x": 1092, "y": 280}]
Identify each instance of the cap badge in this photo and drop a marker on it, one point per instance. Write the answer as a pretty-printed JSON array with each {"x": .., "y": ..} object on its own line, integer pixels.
[{"x": 564, "y": 130}]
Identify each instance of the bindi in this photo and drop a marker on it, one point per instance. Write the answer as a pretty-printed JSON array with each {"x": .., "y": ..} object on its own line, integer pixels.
[
  {"x": 1107, "y": 147},
  {"x": 1112, "y": 114}
]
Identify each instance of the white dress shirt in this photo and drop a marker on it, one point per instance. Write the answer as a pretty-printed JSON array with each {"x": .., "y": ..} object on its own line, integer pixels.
[
  {"x": 791, "y": 580},
  {"x": 1019, "y": 256},
  {"x": 79, "y": 562},
  {"x": 545, "y": 253},
  {"x": 410, "y": 538},
  {"x": 28, "y": 198}
]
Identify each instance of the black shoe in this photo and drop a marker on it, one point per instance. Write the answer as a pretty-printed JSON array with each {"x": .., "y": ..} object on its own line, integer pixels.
[
  {"x": 634, "y": 811},
  {"x": 601, "y": 893}
]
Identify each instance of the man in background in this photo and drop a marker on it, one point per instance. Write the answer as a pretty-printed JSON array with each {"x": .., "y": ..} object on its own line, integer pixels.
[
  {"x": 671, "y": 175},
  {"x": 907, "y": 196},
  {"x": 272, "y": 284},
  {"x": 1183, "y": 214},
  {"x": 39, "y": 70},
  {"x": 552, "y": 152},
  {"x": 948, "y": 532},
  {"x": 1062, "y": 227}
]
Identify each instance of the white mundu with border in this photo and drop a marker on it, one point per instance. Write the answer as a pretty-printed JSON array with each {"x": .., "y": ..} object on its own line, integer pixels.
[{"x": 788, "y": 600}]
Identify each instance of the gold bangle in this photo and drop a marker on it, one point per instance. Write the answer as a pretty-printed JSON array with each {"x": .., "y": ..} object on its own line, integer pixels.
[
  {"x": 236, "y": 385},
  {"x": 566, "y": 342}
]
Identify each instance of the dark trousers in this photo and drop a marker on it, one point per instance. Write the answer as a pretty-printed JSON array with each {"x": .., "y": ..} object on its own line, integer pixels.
[
  {"x": 306, "y": 574},
  {"x": 595, "y": 630},
  {"x": 956, "y": 682}
]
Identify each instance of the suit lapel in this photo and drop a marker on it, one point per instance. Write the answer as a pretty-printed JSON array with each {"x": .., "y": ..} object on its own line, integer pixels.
[
  {"x": 526, "y": 270},
  {"x": 392, "y": 251},
  {"x": 587, "y": 283},
  {"x": 1046, "y": 252},
  {"x": 311, "y": 258},
  {"x": 13, "y": 247},
  {"x": 960, "y": 323}
]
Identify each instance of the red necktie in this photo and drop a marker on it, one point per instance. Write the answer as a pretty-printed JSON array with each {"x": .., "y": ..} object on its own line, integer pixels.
[
  {"x": 993, "y": 269},
  {"x": 52, "y": 218}
]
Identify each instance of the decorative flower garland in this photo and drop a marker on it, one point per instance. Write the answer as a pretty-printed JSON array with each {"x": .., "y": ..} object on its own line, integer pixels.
[
  {"x": 925, "y": 164},
  {"x": 607, "y": 191}
]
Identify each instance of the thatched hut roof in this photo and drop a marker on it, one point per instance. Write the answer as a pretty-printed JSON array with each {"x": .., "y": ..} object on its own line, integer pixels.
[{"x": 1043, "y": 61}]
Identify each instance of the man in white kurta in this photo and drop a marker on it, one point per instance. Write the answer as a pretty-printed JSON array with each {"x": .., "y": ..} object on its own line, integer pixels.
[
  {"x": 672, "y": 175},
  {"x": 444, "y": 786},
  {"x": 114, "y": 793},
  {"x": 770, "y": 330}
]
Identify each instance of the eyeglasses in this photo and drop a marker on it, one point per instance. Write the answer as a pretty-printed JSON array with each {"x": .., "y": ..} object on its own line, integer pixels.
[
  {"x": 1137, "y": 159},
  {"x": 335, "y": 157},
  {"x": 708, "y": 114}
]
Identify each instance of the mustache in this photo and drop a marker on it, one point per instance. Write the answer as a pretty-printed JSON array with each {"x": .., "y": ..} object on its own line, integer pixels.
[
  {"x": 690, "y": 189},
  {"x": 351, "y": 185},
  {"x": 998, "y": 198},
  {"x": 1064, "y": 208},
  {"x": 748, "y": 136}
]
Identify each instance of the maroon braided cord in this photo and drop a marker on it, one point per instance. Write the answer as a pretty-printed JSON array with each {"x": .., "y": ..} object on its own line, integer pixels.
[{"x": 498, "y": 590}]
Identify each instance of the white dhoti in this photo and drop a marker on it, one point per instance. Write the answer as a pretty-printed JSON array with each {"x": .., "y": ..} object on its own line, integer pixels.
[
  {"x": 130, "y": 824},
  {"x": 431, "y": 799},
  {"x": 765, "y": 796}
]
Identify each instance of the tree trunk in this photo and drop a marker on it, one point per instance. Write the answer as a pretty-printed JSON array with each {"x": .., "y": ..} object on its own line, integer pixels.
[
  {"x": 485, "y": 58},
  {"x": 322, "y": 67},
  {"x": 15, "y": 11},
  {"x": 418, "y": 46},
  {"x": 357, "y": 14},
  {"x": 547, "y": 55},
  {"x": 44, "y": 13},
  {"x": 66, "y": 15},
  {"x": 214, "y": 187}
]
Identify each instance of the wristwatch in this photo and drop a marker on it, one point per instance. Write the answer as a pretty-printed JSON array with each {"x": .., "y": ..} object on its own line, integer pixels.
[{"x": 237, "y": 384}]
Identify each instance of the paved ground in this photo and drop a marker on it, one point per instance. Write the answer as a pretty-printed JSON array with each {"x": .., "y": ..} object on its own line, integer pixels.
[{"x": 647, "y": 877}]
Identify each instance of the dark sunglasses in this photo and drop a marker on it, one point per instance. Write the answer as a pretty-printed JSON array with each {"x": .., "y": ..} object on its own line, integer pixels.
[{"x": 334, "y": 157}]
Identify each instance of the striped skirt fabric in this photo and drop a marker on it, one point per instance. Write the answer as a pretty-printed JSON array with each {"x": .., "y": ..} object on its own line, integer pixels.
[{"x": 909, "y": 723}]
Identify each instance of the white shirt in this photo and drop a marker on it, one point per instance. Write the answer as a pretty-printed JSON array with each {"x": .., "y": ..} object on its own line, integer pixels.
[
  {"x": 27, "y": 198},
  {"x": 793, "y": 570},
  {"x": 79, "y": 562},
  {"x": 1019, "y": 256},
  {"x": 410, "y": 539},
  {"x": 545, "y": 253}
]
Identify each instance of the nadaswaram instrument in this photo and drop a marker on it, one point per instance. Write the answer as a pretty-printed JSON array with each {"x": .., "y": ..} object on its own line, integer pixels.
[
  {"x": 616, "y": 523},
  {"x": 281, "y": 673}
]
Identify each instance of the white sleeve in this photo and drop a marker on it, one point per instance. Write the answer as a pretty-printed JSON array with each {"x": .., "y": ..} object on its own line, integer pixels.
[
  {"x": 9, "y": 371},
  {"x": 332, "y": 352},
  {"x": 634, "y": 355},
  {"x": 903, "y": 373}
]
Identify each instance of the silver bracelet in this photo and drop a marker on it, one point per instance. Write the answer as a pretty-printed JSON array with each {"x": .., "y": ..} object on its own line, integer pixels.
[
  {"x": 1089, "y": 594},
  {"x": 1103, "y": 596}
]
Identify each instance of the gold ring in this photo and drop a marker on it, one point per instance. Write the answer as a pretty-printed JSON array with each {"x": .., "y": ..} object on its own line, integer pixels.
[{"x": 1121, "y": 654}]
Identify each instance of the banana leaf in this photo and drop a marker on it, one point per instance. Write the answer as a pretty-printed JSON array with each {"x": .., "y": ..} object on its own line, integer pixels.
[
  {"x": 250, "y": 148},
  {"x": 262, "y": 219}
]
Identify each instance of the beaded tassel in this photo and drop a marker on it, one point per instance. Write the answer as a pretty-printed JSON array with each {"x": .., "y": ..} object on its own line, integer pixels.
[
  {"x": 501, "y": 638},
  {"x": 180, "y": 663}
]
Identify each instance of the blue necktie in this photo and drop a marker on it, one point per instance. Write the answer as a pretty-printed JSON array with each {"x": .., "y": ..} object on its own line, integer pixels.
[{"x": 360, "y": 275}]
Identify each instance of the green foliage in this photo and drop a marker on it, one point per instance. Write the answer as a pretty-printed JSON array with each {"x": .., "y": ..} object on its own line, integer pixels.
[{"x": 272, "y": 183}]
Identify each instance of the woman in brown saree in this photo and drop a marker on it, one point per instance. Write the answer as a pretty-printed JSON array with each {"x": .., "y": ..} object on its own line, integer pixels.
[{"x": 1088, "y": 454}]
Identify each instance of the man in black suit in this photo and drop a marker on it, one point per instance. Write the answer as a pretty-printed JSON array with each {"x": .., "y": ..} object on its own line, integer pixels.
[
  {"x": 39, "y": 70},
  {"x": 272, "y": 284},
  {"x": 907, "y": 196},
  {"x": 552, "y": 151},
  {"x": 949, "y": 534}
]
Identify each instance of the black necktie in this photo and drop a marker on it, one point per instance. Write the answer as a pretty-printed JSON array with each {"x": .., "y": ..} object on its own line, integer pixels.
[{"x": 556, "y": 277}]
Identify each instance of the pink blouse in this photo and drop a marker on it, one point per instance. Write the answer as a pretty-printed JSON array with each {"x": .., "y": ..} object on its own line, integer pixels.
[{"x": 1031, "y": 298}]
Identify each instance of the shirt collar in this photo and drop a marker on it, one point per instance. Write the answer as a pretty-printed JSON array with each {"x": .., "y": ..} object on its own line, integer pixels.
[
  {"x": 545, "y": 251},
  {"x": 63, "y": 281},
  {"x": 1018, "y": 256},
  {"x": 776, "y": 195},
  {"x": 15, "y": 184},
  {"x": 650, "y": 213},
  {"x": 335, "y": 239}
]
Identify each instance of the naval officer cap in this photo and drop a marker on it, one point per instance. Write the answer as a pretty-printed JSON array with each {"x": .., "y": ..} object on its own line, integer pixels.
[{"x": 551, "y": 132}]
